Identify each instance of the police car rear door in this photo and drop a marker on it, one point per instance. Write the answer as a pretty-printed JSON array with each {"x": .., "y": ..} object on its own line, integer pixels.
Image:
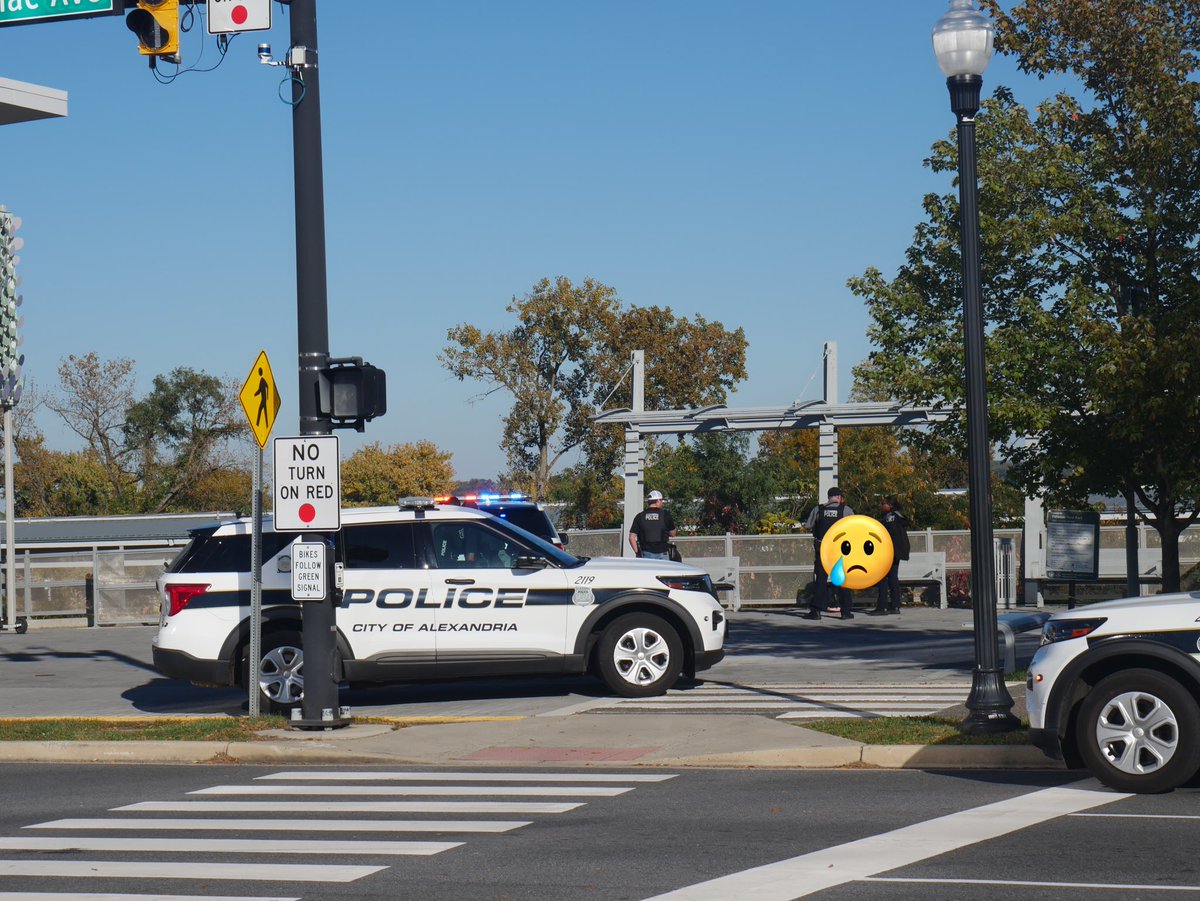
[
  {"x": 495, "y": 617},
  {"x": 386, "y": 613}
]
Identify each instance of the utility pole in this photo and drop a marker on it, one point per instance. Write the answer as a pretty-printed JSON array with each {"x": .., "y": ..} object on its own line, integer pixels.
[{"x": 319, "y": 631}]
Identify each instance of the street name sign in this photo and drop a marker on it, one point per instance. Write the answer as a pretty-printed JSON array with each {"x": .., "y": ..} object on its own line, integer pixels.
[
  {"x": 233, "y": 16},
  {"x": 29, "y": 12},
  {"x": 260, "y": 400},
  {"x": 308, "y": 571},
  {"x": 308, "y": 484}
]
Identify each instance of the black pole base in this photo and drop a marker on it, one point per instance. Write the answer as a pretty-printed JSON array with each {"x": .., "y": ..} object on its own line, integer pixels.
[
  {"x": 318, "y": 725},
  {"x": 990, "y": 705}
]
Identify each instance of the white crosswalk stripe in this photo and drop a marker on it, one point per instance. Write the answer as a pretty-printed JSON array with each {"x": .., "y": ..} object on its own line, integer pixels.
[
  {"x": 292, "y": 825},
  {"x": 799, "y": 701},
  {"x": 442, "y": 791},
  {"x": 439, "y": 792}
]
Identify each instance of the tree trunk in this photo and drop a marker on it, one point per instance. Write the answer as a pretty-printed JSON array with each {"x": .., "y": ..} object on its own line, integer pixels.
[{"x": 1169, "y": 531}]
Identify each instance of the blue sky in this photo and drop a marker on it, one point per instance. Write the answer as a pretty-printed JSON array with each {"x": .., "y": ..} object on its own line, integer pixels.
[{"x": 736, "y": 160}]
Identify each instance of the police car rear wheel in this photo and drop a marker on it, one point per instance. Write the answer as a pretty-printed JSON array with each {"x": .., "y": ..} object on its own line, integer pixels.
[
  {"x": 640, "y": 655},
  {"x": 1139, "y": 731},
  {"x": 281, "y": 671}
]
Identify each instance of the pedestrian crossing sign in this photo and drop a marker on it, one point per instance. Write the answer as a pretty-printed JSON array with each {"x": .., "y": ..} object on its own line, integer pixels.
[{"x": 259, "y": 398}]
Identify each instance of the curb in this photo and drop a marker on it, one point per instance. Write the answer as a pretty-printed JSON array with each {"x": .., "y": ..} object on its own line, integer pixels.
[{"x": 1002, "y": 757}]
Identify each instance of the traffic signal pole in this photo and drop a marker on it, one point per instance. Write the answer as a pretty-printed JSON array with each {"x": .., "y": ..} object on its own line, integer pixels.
[{"x": 320, "y": 705}]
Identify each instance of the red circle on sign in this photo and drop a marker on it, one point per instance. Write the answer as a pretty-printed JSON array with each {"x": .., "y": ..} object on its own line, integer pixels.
[
  {"x": 307, "y": 513},
  {"x": 239, "y": 15}
]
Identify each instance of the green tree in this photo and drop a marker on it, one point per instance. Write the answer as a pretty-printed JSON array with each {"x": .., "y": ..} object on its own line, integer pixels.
[
  {"x": 1089, "y": 195},
  {"x": 163, "y": 453},
  {"x": 374, "y": 475},
  {"x": 173, "y": 437},
  {"x": 568, "y": 352}
]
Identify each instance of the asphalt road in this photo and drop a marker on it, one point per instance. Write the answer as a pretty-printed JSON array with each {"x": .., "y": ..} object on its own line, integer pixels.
[
  {"x": 833, "y": 834},
  {"x": 109, "y": 671}
]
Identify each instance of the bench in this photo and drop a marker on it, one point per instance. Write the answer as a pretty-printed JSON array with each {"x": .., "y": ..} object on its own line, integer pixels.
[
  {"x": 926, "y": 566},
  {"x": 1008, "y": 624}
]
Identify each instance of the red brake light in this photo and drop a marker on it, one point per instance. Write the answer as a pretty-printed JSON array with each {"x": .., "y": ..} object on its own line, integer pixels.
[{"x": 179, "y": 596}]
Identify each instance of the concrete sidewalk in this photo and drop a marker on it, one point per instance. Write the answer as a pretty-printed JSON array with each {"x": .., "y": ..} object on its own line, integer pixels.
[{"x": 624, "y": 741}]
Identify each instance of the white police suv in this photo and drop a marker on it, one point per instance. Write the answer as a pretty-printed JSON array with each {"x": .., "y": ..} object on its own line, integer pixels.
[
  {"x": 438, "y": 592},
  {"x": 1116, "y": 687}
]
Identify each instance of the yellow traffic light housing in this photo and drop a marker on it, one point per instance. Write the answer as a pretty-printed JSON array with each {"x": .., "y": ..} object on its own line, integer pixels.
[{"x": 156, "y": 24}]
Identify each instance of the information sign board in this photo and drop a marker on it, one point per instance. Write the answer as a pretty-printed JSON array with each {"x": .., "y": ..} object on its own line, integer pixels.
[
  {"x": 308, "y": 484},
  {"x": 1073, "y": 545}
]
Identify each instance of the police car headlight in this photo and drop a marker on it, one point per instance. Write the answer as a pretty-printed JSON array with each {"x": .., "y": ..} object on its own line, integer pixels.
[
  {"x": 1066, "y": 629},
  {"x": 688, "y": 583}
]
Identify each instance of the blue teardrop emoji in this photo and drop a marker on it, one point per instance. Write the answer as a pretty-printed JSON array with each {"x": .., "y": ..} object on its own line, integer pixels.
[{"x": 838, "y": 576}]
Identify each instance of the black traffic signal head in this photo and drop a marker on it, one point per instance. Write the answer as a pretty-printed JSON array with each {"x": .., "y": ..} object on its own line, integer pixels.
[
  {"x": 352, "y": 392},
  {"x": 156, "y": 24}
]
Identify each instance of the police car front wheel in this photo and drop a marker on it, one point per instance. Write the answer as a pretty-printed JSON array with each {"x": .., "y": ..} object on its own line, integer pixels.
[
  {"x": 640, "y": 655},
  {"x": 1139, "y": 731}
]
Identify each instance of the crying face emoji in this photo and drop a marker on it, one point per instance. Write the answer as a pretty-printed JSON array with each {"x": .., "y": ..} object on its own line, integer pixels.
[{"x": 856, "y": 552}]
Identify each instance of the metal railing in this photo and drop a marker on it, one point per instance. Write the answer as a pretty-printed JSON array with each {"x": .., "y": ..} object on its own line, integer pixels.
[
  {"x": 107, "y": 588},
  {"x": 773, "y": 567}
]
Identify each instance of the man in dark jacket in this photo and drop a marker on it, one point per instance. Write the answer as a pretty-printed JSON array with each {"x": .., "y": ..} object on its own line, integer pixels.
[
  {"x": 820, "y": 521},
  {"x": 896, "y": 524},
  {"x": 652, "y": 530}
]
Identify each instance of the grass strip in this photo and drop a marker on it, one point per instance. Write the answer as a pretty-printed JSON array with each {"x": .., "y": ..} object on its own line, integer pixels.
[
  {"x": 911, "y": 730},
  {"x": 220, "y": 728}
]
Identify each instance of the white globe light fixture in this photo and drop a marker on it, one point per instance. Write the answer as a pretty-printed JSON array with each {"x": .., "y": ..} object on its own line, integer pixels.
[{"x": 962, "y": 42}]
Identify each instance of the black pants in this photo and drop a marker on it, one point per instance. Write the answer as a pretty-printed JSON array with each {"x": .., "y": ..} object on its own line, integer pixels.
[
  {"x": 824, "y": 591},
  {"x": 889, "y": 589}
]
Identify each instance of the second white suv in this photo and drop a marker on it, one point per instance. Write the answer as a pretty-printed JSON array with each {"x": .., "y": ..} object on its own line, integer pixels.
[
  {"x": 438, "y": 592},
  {"x": 1116, "y": 687}
]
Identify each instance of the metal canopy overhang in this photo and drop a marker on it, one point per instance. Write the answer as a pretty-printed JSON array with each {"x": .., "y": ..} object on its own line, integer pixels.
[{"x": 809, "y": 414}]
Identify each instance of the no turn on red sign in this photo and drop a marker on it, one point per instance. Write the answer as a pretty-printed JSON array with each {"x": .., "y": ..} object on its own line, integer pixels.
[{"x": 308, "y": 484}]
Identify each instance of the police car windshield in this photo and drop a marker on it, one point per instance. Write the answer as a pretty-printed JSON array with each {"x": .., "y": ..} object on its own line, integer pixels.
[{"x": 562, "y": 558}]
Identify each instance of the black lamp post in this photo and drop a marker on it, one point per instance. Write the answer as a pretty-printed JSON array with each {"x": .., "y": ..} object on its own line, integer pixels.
[{"x": 962, "y": 42}]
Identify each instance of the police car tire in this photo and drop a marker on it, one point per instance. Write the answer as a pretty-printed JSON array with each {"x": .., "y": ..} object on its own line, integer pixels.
[
  {"x": 279, "y": 646},
  {"x": 1147, "y": 687},
  {"x": 634, "y": 633}
]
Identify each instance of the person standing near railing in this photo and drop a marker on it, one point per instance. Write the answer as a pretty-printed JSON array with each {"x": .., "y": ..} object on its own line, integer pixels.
[
  {"x": 896, "y": 524},
  {"x": 820, "y": 521},
  {"x": 652, "y": 530}
]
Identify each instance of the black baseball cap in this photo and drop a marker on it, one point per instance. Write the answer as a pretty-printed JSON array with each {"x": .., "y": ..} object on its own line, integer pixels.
[{"x": 834, "y": 492}]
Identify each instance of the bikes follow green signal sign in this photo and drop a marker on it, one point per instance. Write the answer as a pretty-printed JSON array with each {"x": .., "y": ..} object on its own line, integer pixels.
[{"x": 29, "y": 12}]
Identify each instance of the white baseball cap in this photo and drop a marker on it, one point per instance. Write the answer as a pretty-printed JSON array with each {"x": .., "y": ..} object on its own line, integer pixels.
[{"x": 655, "y": 495}]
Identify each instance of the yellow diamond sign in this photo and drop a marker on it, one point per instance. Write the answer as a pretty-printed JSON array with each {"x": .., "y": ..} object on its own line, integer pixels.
[{"x": 259, "y": 398}]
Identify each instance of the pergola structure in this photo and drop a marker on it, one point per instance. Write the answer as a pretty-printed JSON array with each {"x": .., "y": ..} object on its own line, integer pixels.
[{"x": 826, "y": 415}]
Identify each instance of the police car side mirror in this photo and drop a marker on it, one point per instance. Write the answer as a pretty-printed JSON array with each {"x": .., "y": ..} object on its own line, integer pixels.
[{"x": 531, "y": 563}]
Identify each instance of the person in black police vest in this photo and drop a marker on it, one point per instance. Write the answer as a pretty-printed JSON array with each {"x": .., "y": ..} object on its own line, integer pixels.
[
  {"x": 896, "y": 524},
  {"x": 820, "y": 521},
  {"x": 652, "y": 530}
]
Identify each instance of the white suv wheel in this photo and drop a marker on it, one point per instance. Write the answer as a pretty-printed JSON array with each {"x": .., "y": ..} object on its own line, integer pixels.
[
  {"x": 1138, "y": 730},
  {"x": 639, "y": 655}
]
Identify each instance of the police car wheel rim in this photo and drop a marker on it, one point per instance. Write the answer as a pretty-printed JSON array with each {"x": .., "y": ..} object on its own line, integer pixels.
[
  {"x": 1137, "y": 733},
  {"x": 641, "y": 656},
  {"x": 281, "y": 674}
]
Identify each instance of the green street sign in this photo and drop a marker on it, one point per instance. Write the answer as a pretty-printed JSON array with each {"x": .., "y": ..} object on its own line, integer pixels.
[{"x": 29, "y": 12}]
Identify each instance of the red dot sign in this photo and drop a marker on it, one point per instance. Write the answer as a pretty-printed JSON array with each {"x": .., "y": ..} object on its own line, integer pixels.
[
  {"x": 307, "y": 513},
  {"x": 239, "y": 15}
]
